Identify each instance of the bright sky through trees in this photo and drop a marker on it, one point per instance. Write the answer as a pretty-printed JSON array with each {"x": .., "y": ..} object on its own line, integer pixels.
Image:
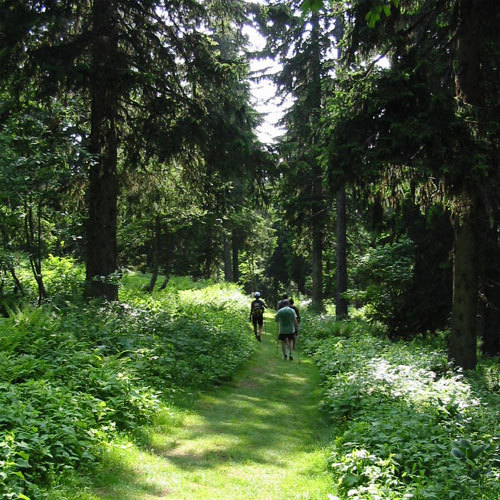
[{"x": 264, "y": 91}]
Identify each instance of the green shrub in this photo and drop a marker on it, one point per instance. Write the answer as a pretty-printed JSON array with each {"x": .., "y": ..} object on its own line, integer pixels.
[
  {"x": 408, "y": 425},
  {"x": 64, "y": 277},
  {"x": 385, "y": 275},
  {"x": 73, "y": 376}
]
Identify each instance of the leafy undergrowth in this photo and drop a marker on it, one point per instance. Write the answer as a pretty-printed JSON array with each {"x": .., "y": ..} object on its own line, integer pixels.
[
  {"x": 409, "y": 427},
  {"x": 73, "y": 377}
]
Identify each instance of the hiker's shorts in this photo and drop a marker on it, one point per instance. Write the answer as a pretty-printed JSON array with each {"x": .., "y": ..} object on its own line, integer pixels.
[
  {"x": 258, "y": 321},
  {"x": 286, "y": 336}
]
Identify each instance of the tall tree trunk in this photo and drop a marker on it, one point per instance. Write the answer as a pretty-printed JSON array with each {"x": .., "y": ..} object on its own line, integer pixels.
[
  {"x": 463, "y": 335},
  {"x": 155, "y": 254},
  {"x": 341, "y": 310},
  {"x": 491, "y": 279},
  {"x": 341, "y": 303},
  {"x": 467, "y": 78},
  {"x": 18, "y": 286},
  {"x": 228, "y": 263},
  {"x": 318, "y": 217},
  {"x": 166, "y": 261},
  {"x": 103, "y": 181},
  {"x": 317, "y": 243},
  {"x": 236, "y": 256},
  {"x": 34, "y": 243},
  {"x": 462, "y": 341}
]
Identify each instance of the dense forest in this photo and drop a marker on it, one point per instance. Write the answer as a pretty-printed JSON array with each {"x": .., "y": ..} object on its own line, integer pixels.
[{"x": 129, "y": 147}]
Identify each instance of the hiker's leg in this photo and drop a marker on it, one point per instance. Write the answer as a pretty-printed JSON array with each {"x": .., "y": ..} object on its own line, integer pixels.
[
  {"x": 289, "y": 341},
  {"x": 283, "y": 347}
]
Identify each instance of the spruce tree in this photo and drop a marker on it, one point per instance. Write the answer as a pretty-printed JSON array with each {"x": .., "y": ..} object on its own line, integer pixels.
[
  {"x": 300, "y": 41},
  {"x": 145, "y": 72},
  {"x": 429, "y": 120}
]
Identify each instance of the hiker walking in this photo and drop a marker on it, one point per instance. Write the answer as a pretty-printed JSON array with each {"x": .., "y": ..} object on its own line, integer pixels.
[
  {"x": 294, "y": 307},
  {"x": 287, "y": 320},
  {"x": 257, "y": 315},
  {"x": 281, "y": 303}
]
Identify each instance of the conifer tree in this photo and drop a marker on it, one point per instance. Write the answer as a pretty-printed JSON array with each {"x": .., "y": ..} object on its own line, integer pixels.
[
  {"x": 300, "y": 41},
  {"x": 146, "y": 72},
  {"x": 405, "y": 121}
]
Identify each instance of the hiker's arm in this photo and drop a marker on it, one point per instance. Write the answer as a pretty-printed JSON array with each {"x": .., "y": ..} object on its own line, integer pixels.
[{"x": 296, "y": 323}]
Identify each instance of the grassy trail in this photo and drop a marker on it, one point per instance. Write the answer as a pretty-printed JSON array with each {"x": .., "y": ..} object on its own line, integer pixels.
[{"x": 259, "y": 436}]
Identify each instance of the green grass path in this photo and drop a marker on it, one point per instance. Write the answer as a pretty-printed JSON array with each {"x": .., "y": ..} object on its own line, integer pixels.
[{"x": 259, "y": 436}]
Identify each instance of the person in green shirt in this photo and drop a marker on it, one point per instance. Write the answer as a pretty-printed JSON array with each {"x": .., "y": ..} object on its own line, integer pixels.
[{"x": 287, "y": 322}]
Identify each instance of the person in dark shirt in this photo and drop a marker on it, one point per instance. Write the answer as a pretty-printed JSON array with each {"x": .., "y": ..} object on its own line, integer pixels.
[
  {"x": 294, "y": 307},
  {"x": 281, "y": 303},
  {"x": 257, "y": 315}
]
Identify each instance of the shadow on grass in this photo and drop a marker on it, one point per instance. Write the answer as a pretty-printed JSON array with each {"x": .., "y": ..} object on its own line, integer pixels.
[
  {"x": 124, "y": 482},
  {"x": 255, "y": 423},
  {"x": 265, "y": 415}
]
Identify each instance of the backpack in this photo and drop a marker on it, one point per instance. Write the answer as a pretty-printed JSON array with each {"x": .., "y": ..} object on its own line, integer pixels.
[{"x": 257, "y": 310}]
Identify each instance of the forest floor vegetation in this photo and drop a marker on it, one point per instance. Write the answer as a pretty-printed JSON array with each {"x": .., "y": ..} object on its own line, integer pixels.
[
  {"x": 76, "y": 377},
  {"x": 168, "y": 395},
  {"x": 260, "y": 435},
  {"x": 408, "y": 425}
]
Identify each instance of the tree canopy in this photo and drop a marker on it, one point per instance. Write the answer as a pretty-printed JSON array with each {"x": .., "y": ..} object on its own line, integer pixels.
[{"x": 129, "y": 140}]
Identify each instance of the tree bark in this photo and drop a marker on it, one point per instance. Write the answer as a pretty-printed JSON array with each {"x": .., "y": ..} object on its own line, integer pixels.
[
  {"x": 467, "y": 78},
  {"x": 341, "y": 303},
  {"x": 341, "y": 310},
  {"x": 317, "y": 243},
  {"x": 228, "y": 264},
  {"x": 491, "y": 280},
  {"x": 236, "y": 256},
  {"x": 166, "y": 279},
  {"x": 17, "y": 283},
  {"x": 155, "y": 255},
  {"x": 462, "y": 341},
  {"x": 463, "y": 334},
  {"x": 34, "y": 245},
  {"x": 103, "y": 181},
  {"x": 318, "y": 216}
]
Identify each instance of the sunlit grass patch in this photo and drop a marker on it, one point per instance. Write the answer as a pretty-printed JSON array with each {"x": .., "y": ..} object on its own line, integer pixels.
[{"x": 257, "y": 441}]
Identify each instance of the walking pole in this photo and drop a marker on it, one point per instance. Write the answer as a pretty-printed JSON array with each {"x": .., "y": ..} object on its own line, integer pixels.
[{"x": 298, "y": 350}]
